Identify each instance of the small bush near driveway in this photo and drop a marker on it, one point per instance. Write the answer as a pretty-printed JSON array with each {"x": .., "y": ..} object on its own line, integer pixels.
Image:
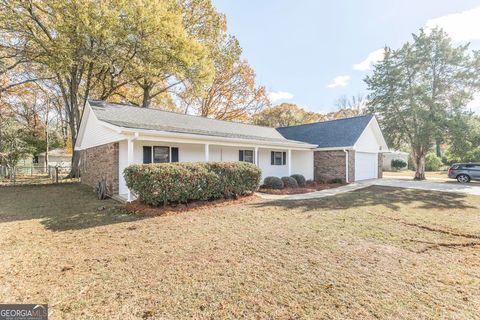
[{"x": 161, "y": 184}]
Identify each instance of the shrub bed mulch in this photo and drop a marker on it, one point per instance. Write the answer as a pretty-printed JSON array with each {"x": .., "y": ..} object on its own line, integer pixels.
[
  {"x": 137, "y": 207},
  {"x": 299, "y": 190}
]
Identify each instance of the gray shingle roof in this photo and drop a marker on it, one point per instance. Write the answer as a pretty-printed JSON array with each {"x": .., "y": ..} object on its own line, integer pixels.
[
  {"x": 329, "y": 134},
  {"x": 128, "y": 116}
]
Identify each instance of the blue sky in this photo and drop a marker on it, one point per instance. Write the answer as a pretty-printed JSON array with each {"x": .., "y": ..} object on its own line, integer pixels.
[{"x": 312, "y": 52}]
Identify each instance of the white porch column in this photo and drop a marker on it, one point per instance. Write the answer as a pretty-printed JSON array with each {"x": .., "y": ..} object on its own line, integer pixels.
[
  {"x": 207, "y": 151},
  {"x": 289, "y": 162},
  {"x": 255, "y": 156},
  {"x": 129, "y": 162}
]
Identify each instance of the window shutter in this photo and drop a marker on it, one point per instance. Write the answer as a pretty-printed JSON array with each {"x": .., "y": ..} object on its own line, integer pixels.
[
  {"x": 272, "y": 158},
  {"x": 174, "y": 154},
  {"x": 284, "y": 158},
  {"x": 240, "y": 155},
  {"x": 147, "y": 154}
]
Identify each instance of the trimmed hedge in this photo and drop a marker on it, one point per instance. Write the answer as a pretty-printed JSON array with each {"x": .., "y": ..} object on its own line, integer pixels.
[
  {"x": 289, "y": 182},
  {"x": 273, "y": 183},
  {"x": 164, "y": 183},
  {"x": 301, "y": 181}
]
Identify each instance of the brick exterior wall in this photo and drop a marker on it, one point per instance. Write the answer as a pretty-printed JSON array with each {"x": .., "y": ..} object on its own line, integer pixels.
[
  {"x": 98, "y": 162},
  {"x": 330, "y": 165},
  {"x": 380, "y": 165},
  {"x": 351, "y": 166}
]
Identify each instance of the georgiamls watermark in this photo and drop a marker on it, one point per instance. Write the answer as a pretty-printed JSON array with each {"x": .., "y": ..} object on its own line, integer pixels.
[{"x": 23, "y": 312}]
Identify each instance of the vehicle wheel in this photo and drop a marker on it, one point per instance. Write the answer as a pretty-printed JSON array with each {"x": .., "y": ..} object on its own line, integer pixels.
[{"x": 463, "y": 178}]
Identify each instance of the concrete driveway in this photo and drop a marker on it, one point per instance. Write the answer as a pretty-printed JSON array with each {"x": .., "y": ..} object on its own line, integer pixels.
[{"x": 472, "y": 188}]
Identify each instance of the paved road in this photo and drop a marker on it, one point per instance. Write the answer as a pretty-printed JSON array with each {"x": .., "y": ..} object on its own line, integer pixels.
[{"x": 472, "y": 188}]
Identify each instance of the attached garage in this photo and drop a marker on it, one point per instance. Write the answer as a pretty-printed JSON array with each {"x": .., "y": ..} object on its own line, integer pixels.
[
  {"x": 349, "y": 149},
  {"x": 366, "y": 166}
]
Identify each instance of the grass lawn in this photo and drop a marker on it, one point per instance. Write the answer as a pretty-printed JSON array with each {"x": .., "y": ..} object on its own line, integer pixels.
[{"x": 374, "y": 253}]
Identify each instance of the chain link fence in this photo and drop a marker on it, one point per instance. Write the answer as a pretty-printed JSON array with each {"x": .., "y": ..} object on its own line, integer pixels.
[{"x": 36, "y": 174}]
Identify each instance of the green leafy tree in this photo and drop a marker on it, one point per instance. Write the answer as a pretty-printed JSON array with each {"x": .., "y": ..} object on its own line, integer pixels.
[
  {"x": 135, "y": 50},
  {"x": 417, "y": 90},
  {"x": 464, "y": 139},
  {"x": 166, "y": 54},
  {"x": 12, "y": 145}
]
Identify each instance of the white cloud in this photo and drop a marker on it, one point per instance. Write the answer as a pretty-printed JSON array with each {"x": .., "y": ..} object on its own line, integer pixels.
[
  {"x": 279, "y": 95},
  {"x": 340, "y": 81},
  {"x": 474, "y": 105},
  {"x": 372, "y": 58},
  {"x": 463, "y": 26}
]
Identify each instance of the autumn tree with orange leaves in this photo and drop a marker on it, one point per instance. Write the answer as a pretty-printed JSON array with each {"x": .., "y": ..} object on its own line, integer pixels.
[{"x": 233, "y": 93}]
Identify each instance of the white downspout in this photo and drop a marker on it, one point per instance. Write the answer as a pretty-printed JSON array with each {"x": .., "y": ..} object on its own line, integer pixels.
[{"x": 346, "y": 165}]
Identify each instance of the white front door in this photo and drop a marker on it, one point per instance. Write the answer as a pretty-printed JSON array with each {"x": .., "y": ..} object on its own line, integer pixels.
[{"x": 366, "y": 165}]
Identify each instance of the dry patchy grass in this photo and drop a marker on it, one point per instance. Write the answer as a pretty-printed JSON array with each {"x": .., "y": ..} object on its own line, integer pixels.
[{"x": 374, "y": 253}]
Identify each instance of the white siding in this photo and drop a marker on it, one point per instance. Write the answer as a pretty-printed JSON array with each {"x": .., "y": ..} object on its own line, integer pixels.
[
  {"x": 302, "y": 163},
  {"x": 97, "y": 134},
  {"x": 389, "y": 156},
  {"x": 368, "y": 141},
  {"x": 264, "y": 160}
]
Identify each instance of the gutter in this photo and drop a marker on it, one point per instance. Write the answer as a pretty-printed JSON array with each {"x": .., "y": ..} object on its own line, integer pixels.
[
  {"x": 167, "y": 134},
  {"x": 346, "y": 165}
]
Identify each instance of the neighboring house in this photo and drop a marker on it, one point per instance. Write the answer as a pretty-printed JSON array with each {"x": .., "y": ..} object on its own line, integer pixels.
[
  {"x": 390, "y": 155},
  {"x": 55, "y": 157},
  {"x": 348, "y": 148},
  {"x": 113, "y": 136}
]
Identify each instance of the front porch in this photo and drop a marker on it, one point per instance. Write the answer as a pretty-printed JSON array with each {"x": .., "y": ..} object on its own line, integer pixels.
[{"x": 271, "y": 159}]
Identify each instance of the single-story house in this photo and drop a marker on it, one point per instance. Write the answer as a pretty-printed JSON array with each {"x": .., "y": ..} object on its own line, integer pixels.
[
  {"x": 113, "y": 136},
  {"x": 347, "y": 148},
  {"x": 56, "y": 157},
  {"x": 390, "y": 155}
]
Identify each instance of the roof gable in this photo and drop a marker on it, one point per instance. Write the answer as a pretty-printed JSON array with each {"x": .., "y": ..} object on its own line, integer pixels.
[{"x": 329, "y": 134}]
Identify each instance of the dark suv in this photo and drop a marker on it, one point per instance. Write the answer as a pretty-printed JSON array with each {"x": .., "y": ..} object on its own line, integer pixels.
[{"x": 464, "y": 172}]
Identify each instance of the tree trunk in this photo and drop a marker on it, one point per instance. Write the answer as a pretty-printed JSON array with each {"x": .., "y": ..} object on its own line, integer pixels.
[
  {"x": 47, "y": 142},
  {"x": 419, "y": 167},
  {"x": 438, "y": 149},
  {"x": 147, "y": 99},
  {"x": 47, "y": 137}
]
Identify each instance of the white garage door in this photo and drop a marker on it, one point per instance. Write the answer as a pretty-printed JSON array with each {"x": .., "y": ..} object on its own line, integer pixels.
[{"x": 365, "y": 165}]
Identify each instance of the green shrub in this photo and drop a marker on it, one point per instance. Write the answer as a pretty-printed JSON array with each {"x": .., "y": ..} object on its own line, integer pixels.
[
  {"x": 336, "y": 180},
  {"x": 301, "y": 181},
  {"x": 432, "y": 162},
  {"x": 398, "y": 164},
  {"x": 164, "y": 183},
  {"x": 273, "y": 183},
  {"x": 289, "y": 182},
  {"x": 236, "y": 178}
]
